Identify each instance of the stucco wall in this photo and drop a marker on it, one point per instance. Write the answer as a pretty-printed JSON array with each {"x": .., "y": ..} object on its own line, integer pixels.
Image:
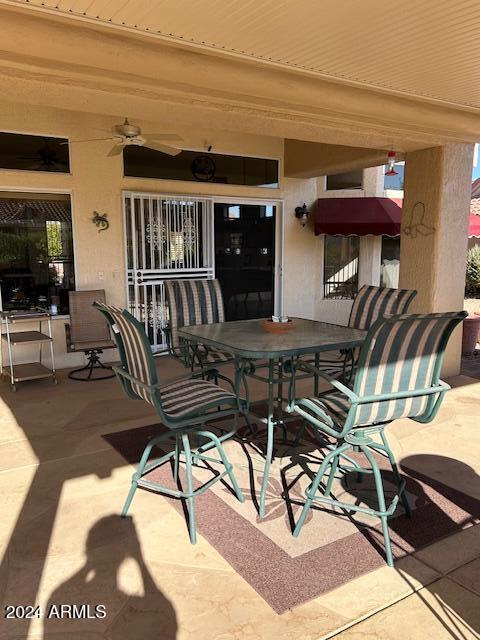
[
  {"x": 96, "y": 183},
  {"x": 338, "y": 311}
]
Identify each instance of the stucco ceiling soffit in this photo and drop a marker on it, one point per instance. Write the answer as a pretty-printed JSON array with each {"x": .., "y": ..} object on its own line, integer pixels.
[
  {"x": 357, "y": 43},
  {"x": 141, "y": 87},
  {"x": 311, "y": 160},
  {"x": 221, "y": 90}
]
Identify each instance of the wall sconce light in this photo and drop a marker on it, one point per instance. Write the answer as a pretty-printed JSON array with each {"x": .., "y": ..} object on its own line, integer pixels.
[
  {"x": 301, "y": 213},
  {"x": 391, "y": 158}
]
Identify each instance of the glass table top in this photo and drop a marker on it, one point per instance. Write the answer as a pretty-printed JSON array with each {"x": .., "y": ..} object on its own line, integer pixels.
[{"x": 250, "y": 339}]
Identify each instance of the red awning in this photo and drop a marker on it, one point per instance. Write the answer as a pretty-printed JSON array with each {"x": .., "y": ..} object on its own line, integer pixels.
[
  {"x": 366, "y": 217},
  {"x": 358, "y": 216},
  {"x": 474, "y": 226}
]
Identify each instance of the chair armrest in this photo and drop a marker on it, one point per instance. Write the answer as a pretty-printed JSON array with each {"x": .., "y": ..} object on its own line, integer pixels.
[
  {"x": 123, "y": 374},
  {"x": 442, "y": 387},
  {"x": 150, "y": 387},
  {"x": 354, "y": 399}
]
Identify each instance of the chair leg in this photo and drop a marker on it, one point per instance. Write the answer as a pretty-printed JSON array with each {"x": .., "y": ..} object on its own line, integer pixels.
[
  {"x": 128, "y": 501},
  {"x": 93, "y": 363},
  {"x": 228, "y": 466},
  {"x": 138, "y": 473},
  {"x": 176, "y": 460},
  {"x": 315, "y": 484},
  {"x": 331, "y": 477},
  {"x": 191, "y": 499},
  {"x": 396, "y": 473},
  {"x": 381, "y": 503}
]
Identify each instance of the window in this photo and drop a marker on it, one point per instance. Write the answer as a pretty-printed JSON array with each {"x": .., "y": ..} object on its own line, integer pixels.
[
  {"x": 36, "y": 252},
  {"x": 390, "y": 265},
  {"x": 340, "y": 274},
  {"x": 33, "y": 153},
  {"x": 395, "y": 182},
  {"x": 141, "y": 162},
  {"x": 349, "y": 180}
]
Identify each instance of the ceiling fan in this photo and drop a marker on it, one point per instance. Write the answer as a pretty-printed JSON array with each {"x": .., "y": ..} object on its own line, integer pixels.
[
  {"x": 47, "y": 159},
  {"x": 127, "y": 134}
]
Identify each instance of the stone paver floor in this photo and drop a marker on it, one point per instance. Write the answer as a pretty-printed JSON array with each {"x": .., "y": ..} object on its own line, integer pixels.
[{"x": 61, "y": 488}]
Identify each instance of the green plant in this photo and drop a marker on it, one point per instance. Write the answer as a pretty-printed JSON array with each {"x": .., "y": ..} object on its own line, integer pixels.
[{"x": 472, "y": 280}]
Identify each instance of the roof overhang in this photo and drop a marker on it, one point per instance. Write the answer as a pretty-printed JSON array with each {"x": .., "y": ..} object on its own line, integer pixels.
[
  {"x": 320, "y": 39},
  {"x": 58, "y": 56}
]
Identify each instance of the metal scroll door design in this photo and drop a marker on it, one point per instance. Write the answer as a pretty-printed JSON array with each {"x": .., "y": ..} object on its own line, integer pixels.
[{"x": 166, "y": 237}]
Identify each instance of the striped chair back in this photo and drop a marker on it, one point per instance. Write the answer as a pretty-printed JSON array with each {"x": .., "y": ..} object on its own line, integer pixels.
[
  {"x": 402, "y": 354},
  {"x": 134, "y": 348},
  {"x": 193, "y": 302},
  {"x": 372, "y": 303}
]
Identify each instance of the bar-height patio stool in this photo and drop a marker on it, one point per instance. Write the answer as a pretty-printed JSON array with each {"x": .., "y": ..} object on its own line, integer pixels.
[
  {"x": 184, "y": 406},
  {"x": 369, "y": 304},
  {"x": 87, "y": 332},
  {"x": 398, "y": 376},
  {"x": 193, "y": 302}
]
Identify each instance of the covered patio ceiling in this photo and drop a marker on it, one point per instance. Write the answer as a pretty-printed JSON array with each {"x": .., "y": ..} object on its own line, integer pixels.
[
  {"x": 306, "y": 71},
  {"x": 369, "y": 44}
]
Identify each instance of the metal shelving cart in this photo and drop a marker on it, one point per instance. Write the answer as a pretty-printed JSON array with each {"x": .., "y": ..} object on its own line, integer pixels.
[{"x": 21, "y": 372}]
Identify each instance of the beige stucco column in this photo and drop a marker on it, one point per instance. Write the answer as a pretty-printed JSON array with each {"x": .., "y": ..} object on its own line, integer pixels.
[{"x": 434, "y": 233}]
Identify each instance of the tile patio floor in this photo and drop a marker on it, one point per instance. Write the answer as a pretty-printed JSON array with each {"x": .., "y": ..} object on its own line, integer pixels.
[{"x": 61, "y": 488}]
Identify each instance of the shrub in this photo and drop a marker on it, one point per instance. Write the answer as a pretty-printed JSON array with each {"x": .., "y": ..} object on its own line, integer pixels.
[{"x": 472, "y": 281}]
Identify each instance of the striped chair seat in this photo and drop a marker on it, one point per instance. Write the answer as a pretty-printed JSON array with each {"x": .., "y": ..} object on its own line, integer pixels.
[
  {"x": 193, "y": 302},
  {"x": 397, "y": 376},
  {"x": 184, "y": 406},
  {"x": 370, "y": 304},
  {"x": 185, "y": 397},
  {"x": 335, "y": 404},
  {"x": 400, "y": 355}
]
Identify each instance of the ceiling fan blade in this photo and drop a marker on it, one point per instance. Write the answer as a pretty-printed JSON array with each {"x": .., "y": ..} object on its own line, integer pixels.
[
  {"x": 87, "y": 140},
  {"x": 116, "y": 150},
  {"x": 164, "y": 148},
  {"x": 172, "y": 137}
]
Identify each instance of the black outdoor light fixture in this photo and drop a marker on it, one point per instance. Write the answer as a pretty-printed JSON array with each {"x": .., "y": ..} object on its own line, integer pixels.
[{"x": 301, "y": 213}]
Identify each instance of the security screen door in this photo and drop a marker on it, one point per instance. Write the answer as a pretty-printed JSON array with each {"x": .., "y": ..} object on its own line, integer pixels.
[{"x": 167, "y": 237}]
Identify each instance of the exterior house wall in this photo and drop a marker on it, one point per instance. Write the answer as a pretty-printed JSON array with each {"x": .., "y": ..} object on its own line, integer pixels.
[
  {"x": 338, "y": 311},
  {"x": 96, "y": 183}
]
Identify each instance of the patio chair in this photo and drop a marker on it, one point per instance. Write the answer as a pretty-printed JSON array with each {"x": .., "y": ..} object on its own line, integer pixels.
[
  {"x": 369, "y": 304},
  {"x": 398, "y": 376},
  {"x": 88, "y": 332},
  {"x": 193, "y": 302},
  {"x": 183, "y": 405}
]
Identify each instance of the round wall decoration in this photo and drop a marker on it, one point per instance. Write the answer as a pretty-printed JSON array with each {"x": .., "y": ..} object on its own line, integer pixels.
[{"x": 203, "y": 168}]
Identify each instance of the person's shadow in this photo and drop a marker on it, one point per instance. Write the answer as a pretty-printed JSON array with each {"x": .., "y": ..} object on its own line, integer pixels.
[{"x": 102, "y": 608}]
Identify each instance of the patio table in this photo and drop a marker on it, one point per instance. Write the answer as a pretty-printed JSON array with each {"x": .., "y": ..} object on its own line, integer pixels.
[{"x": 248, "y": 341}]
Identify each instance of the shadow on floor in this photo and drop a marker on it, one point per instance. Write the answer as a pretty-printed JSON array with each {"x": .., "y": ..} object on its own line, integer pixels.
[
  {"x": 148, "y": 615},
  {"x": 46, "y": 414},
  {"x": 438, "y": 509}
]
